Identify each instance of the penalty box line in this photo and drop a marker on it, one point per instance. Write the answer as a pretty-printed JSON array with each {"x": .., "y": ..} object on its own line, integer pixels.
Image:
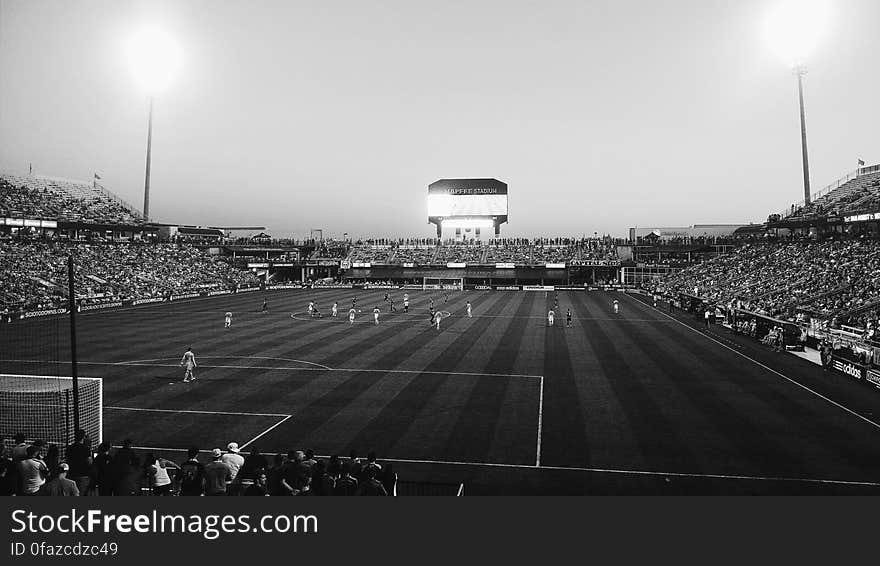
[
  {"x": 283, "y": 418},
  {"x": 540, "y": 379}
]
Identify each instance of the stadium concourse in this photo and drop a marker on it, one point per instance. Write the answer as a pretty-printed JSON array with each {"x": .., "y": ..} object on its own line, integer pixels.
[{"x": 501, "y": 402}]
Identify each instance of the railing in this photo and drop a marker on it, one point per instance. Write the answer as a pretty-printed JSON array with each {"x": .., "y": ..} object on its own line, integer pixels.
[{"x": 831, "y": 187}]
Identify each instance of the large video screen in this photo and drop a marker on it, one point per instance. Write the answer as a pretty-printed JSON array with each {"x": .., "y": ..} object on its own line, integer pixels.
[{"x": 467, "y": 205}]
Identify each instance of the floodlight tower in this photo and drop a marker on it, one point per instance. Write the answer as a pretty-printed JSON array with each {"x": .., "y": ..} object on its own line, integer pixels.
[
  {"x": 154, "y": 58},
  {"x": 800, "y": 70},
  {"x": 793, "y": 28}
]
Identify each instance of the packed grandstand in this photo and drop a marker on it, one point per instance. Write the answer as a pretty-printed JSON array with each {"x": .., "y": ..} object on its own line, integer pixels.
[{"x": 815, "y": 270}]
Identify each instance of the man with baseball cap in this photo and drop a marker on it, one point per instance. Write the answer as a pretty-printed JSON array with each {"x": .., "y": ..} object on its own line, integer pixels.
[
  {"x": 234, "y": 461},
  {"x": 217, "y": 474}
]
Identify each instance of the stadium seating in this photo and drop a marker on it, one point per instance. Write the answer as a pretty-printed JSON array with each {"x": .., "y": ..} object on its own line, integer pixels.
[
  {"x": 57, "y": 199},
  {"x": 33, "y": 273},
  {"x": 825, "y": 280},
  {"x": 861, "y": 194}
]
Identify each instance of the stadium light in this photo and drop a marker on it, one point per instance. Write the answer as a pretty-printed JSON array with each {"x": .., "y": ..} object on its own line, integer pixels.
[
  {"x": 793, "y": 29},
  {"x": 154, "y": 58}
]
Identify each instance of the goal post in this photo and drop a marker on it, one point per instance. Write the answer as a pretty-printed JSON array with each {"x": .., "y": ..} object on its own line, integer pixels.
[
  {"x": 443, "y": 283},
  {"x": 41, "y": 407}
]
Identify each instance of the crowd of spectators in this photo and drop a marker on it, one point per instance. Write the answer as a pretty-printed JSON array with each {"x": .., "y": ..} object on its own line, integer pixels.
[
  {"x": 521, "y": 251},
  {"x": 35, "y": 468},
  {"x": 52, "y": 199},
  {"x": 33, "y": 273},
  {"x": 835, "y": 279}
]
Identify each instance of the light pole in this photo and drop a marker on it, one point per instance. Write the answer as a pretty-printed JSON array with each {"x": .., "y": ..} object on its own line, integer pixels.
[
  {"x": 147, "y": 173},
  {"x": 154, "y": 58},
  {"x": 793, "y": 29},
  {"x": 800, "y": 70}
]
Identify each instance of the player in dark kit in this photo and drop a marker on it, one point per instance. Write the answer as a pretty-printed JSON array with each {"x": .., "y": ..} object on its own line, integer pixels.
[
  {"x": 265, "y": 306},
  {"x": 568, "y": 318}
]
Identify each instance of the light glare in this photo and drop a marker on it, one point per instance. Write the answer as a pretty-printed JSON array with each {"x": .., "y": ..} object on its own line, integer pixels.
[
  {"x": 154, "y": 57},
  {"x": 794, "y": 28}
]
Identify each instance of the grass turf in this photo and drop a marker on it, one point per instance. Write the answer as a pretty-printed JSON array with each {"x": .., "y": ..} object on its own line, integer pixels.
[{"x": 638, "y": 402}]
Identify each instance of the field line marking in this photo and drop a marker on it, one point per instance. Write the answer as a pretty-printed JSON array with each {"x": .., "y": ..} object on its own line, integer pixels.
[
  {"x": 325, "y": 368},
  {"x": 593, "y": 470},
  {"x": 768, "y": 368},
  {"x": 540, "y": 420},
  {"x": 147, "y": 410},
  {"x": 133, "y": 362},
  {"x": 279, "y": 423}
]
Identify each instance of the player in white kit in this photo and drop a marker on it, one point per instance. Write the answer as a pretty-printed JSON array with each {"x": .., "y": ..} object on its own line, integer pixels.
[
  {"x": 189, "y": 362},
  {"x": 615, "y": 306},
  {"x": 376, "y": 315},
  {"x": 228, "y": 321},
  {"x": 351, "y": 312},
  {"x": 550, "y": 315},
  {"x": 335, "y": 308},
  {"x": 311, "y": 308},
  {"x": 469, "y": 309},
  {"x": 437, "y": 318}
]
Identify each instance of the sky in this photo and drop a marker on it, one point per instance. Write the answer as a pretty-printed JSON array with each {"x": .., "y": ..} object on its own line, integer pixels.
[{"x": 599, "y": 115}]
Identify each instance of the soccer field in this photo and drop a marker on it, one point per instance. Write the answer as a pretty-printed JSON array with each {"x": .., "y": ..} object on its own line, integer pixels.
[{"x": 638, "y": 402}]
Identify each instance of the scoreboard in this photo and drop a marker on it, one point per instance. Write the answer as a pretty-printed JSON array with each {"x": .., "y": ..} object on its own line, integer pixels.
[{"x": 467, "y": 200}]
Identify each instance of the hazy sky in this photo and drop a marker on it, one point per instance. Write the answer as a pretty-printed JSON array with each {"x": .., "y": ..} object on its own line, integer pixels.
[{"x": 600, "y": 115}]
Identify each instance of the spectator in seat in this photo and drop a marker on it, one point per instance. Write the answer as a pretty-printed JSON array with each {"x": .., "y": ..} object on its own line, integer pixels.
[
  {"x": 157, "y": 471},
  {"x": 275, "y": 475},
  {"x": 347, "y": 484},
  {"x": 103, "y": 470},
  {"x": 32, "y": 472},
  {"x": 370, "y": 485},
  {"x": 253, "y": 463},
  {"x": 122, "y": 462},
  {"x": 235, "y": 461},
  {"x": 79, "y": 457},
  {"x": 192, "y": 474},
  {"x": 59, "y": 485},
  {"x": 217, "y": 474},
  {"x": 260, "y": 486},
  {"x": 8, "y": 477},
  {"x": 19, "y": 451}
]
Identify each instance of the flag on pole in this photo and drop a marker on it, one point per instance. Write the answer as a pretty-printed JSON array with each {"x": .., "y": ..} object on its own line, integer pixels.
[
  {"x": 861, "y": 162},
  {"x": 97, "y": 176},
  {"x": 30, "y": 168}
]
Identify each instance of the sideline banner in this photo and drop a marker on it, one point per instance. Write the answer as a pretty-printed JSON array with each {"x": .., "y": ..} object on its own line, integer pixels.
[{"x": 847, "y": 367}]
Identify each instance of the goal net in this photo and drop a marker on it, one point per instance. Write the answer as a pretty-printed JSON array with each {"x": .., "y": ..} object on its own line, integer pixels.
[
  {"x": 448, "y": 284},
  {"x": 41, "y": 408}
]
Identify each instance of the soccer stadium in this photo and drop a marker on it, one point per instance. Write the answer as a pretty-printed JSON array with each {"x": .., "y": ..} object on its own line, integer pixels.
[{"x": 154, "y": 353}]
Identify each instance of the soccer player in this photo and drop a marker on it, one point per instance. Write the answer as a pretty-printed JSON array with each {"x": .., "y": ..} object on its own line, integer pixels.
[
  {"x": 550, "y": 315},
  {"x": 437, "y": 318},
  {"x": 317, "y": 312},
  {"x": 311, "y": 308},
  {"x": 406, "y": 303},
  {"x": 386, "y": 297},
  {"x": 376, "y": 315},
  {"x": 391, "y": 300},
  {"x": 615, "y": 304},
  {"x": 469, "y": 309},
  {"x": 568, "y": 318},
  {"x": 335, "y": 308},
  {"x": 265, "y": 305},
  {"x": 445, "y": 298},
  {"x": 351, "y": 316},
  {"x": 432, "y": 302},
  {"x": 188, "y": 361},
  {"x": 228, "y": 321}
]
